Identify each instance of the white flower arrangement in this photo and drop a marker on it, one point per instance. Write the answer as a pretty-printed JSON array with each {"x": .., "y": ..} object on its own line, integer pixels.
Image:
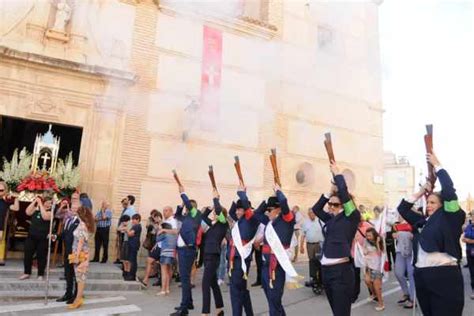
[
  {"x": 67, "y": 176},
  {"x": 17, "y": 169}
]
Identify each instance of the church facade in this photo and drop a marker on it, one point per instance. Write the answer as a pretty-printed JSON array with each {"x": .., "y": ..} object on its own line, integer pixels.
[{"x": 162, "y": 85}]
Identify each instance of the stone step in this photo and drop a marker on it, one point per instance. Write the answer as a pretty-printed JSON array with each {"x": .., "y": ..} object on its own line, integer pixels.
[
  {"x": 56, "y": 286},
  {"x": 12, "y": 296},
  {"x": 55, "y": 274}
]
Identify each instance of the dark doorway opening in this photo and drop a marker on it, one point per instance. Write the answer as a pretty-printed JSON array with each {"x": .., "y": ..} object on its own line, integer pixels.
[{"x": 19, "y": 133}]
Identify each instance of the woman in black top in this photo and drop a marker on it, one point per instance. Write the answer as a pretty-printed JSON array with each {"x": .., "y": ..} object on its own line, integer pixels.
[
  {"x": 436, "y": 248},
  {"x": 218, "y": 227},
  {"x": 340, "y": 227},
  {"x": 37, "y": 241}
]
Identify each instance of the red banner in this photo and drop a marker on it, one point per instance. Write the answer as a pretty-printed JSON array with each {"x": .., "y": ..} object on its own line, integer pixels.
[{"x": 211, "y": 77}]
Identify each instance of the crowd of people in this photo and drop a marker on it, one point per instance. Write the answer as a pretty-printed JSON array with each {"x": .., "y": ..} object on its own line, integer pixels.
[{"x": 344, "y": 243}]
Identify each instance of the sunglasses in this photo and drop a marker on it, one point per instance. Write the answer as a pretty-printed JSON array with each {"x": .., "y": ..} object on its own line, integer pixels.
[{"x": 334, "y": 204}]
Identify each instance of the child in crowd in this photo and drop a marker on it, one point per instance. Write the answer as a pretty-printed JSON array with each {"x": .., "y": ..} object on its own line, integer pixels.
[
  {"x": 167, "y": 257},
  {"x": 133, "y": 246},
  {"x": 373, "y": 249},
  {"x": 123, "y": 228}
]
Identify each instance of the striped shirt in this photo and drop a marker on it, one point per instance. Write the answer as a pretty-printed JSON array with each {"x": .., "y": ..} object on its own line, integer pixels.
[{"x": 103, "y": 223}]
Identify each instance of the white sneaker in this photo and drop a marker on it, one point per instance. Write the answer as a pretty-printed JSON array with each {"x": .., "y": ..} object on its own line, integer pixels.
[
  {"x": 220, "y": 282},
  {"x": 40, "y": 278},
  {"x": 472, "y": 296}
]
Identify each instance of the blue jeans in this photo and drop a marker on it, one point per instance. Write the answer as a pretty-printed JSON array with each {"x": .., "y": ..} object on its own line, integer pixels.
[
  {"x": 186, "y": 257},
  {"x": 402, "y": 265},
  {"x": 132, "y": 257},
  {"x": 222, "y": 265}
]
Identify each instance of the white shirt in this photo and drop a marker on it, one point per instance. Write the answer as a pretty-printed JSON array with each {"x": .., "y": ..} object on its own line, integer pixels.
[
  {"x": 172, "y": 221},
  {"x": 312, "y": 231},
  {"x": 181, "y": 241},
  {"x": 260, "y": 234},
  {"x": 433, "y": 259},
  {"x": 332, "y": 261}
]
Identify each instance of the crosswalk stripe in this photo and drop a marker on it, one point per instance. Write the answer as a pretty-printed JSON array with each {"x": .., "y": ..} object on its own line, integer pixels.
[
  {"x": 102, "y": 311},
  {"x": 54, "y": 304},
  {"x": 368, "y": 300}
]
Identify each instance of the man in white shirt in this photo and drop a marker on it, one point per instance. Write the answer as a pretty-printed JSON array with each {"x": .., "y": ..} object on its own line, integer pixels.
[
  {"x": 313, "y": 235},
  {"x": 130, "y": 209},
  {"x": 168, "y": 217}
]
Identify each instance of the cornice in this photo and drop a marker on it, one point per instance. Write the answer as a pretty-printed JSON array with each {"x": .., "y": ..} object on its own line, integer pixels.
[{"x": 242, "y": 24}]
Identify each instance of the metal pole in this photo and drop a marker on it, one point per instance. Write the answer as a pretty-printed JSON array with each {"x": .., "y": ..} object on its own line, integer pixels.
[
  {"x": 49, "y": 251},
  {"x": 414, "y": 301}
]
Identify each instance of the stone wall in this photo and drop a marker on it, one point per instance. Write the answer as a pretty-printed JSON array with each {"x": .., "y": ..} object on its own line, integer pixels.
[{"x": 300, "y": 71}]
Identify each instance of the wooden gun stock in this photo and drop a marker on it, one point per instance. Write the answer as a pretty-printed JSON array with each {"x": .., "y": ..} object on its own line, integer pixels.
[
  {"x": 211, "y": 176},
  {"x": 238, "y": 170},
  {"x": 176, "y": 178},
  {"x": 429, "y": 150},
  {"x": 273, "y": 160},
  {"x": 329, "y": 148}
]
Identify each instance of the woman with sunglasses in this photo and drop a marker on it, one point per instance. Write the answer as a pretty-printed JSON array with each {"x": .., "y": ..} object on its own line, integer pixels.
[
  {"x": 436, "y": 249},
  {"x": 340, "y": 227}
]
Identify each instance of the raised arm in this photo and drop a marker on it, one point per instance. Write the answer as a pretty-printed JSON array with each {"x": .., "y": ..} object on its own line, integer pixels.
[
  {"x": 242, "y": 193},
  {"x": 448, "y": 192},
  {"x": 218, "y": 208},
  {"x": 205, "y": 217},
  {"x": 259, "y": 213},
  {"x": 186, "y": 202},
  {"x": 179, "y": 213},
  {"x": 244, "y": 199},
  {"x": 16, "y": 205},
  {"x": 31, "y": 208},
  {"x": 406, "y": 205},
  {"x": 343, "y": 193},
  {"x": 318, "y": 209},
  {"x": 232, "y": 212},
  {"x": 288, "y": 216}
]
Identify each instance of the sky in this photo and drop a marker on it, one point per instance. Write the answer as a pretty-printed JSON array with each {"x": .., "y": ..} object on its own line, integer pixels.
[{"x": 427, "y": 50}]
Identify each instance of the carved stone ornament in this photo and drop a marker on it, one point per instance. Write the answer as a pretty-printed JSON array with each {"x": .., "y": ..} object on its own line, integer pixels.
[{"x": 60, "y": 20}]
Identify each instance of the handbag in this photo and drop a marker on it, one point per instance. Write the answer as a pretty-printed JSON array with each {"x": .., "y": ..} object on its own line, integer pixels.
[
  {"x": 149, "y": 241},
  {"x": 83, "y": 256}
]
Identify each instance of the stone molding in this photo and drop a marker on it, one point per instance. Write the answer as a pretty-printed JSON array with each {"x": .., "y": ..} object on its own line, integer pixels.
[{"x": 6, "y": 52}]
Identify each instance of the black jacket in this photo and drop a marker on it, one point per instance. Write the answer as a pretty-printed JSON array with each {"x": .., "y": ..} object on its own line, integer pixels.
[
  {"x": 216, "y": 232},
  {"x": 189, "y": 224},
  {"x": 442, "y": 230},
  {"x": 339, "y": 230},
  {"x": 68, "y": 234}
]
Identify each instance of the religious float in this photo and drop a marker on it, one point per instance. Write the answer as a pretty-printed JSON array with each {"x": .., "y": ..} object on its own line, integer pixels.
[{"x": 29, "y": 175}]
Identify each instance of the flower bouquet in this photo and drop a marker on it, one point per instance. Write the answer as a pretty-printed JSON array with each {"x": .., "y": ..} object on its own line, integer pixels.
[
  {"x": 17, "y": 169},
  {"x": 38, "y": 182},
  {"x": 67, "y": 176}
]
